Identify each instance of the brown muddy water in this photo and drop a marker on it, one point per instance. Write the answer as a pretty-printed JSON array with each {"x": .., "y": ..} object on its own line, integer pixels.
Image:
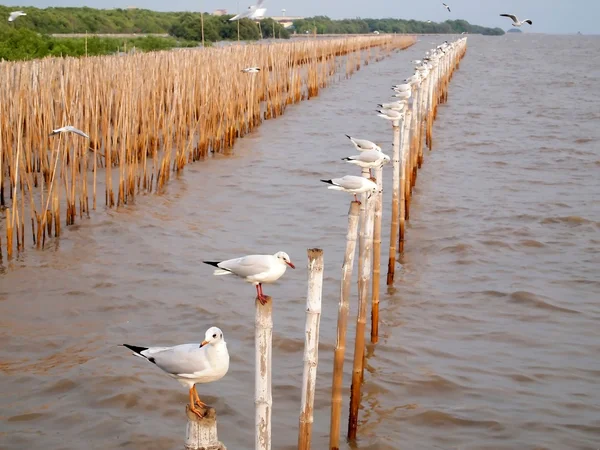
[{"x": 490, "y": 339}]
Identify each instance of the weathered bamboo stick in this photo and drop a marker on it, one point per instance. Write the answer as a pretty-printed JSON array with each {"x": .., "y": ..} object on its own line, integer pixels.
[
  {"x": 378, "y": 197},
  {"x": 342, "y": 324},
  {"x": 365, "y": 268},
  {"x": 311, "y": 345},
  {"x": 263, "y": 397},
  {"x": 404, "y": 152},
  {"x": 201, "y": 433},
  {"x": 396, "y": 124}
]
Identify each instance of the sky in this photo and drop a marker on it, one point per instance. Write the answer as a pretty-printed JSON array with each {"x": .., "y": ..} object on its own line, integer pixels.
[{"x": 548, "y": 16}]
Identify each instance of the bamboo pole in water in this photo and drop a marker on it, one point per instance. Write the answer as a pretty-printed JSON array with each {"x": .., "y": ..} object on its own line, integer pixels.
[
  {"x": 201, "y": 433},
  {"x": 404, "y": 151},
  {"x": 365, "y": 268},
  {"x": 342, "y": 324},
  {"x": 311, "y": 345},
  {"x": 396, "y": 124},
  {"x": 263, "y": 398},
  {"x": 378, "y": 197}
]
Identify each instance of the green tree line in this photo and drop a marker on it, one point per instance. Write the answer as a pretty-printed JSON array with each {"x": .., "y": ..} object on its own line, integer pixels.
[
  {"x": 29, "y": 36},
  {"x": 25, "y": 44},
  {"x": 325, "y": 25}
]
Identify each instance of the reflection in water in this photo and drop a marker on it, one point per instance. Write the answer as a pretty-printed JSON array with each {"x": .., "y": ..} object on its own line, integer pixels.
[{"x": 489, "y": 339}]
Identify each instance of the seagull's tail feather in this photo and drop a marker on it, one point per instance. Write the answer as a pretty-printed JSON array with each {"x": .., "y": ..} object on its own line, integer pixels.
[
  {"x": 347, "y": 158},
  {"x": 349, "y": 137},
  {"x": 219, "y": 271},
  {"x": 327, "y": 181},
  {"x": 137, "y": 351},
  {"x": 222, "y": 272},
  {"x": 212, "y": 263}
]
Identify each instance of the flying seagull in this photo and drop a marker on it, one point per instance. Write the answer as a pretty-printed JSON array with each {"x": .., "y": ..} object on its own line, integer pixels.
[
  {"x": 446, "y": 6},
  {"x": 253, "y": 12},
  {"x": 69, "y": 128},
  {"x": 255, "y": 269},
  {"x": 191, "y": 363},
  {"x": 13, "y": 15},
  {"x": 516, "y": 21},
  {"x": 352, "y": 184},
  {"x": 251, "y": 70}
]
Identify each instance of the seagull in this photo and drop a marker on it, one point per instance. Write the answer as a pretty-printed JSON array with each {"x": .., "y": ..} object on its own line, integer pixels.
[
  {"x": 413, "y": 80},
  {"x": 446, "y": 6},
  {"x": 363, "y": 145},
  {"x": 396, "y": 106},
  {"x": 253, "y": 12},
  {"x": 405, "y": 95},
  {"x": 255, "y": 269},
  {"x": 369, "y": 159},
  {"x": 390, "y": 114},
  {"x": 191, "y": 363},
  {"x": 13, "y": 15},
  {"x": 402, "y": 87},
  {"x": 515, "y": 19},
  {"x": 69, "y": 128},
  {"x": 352, "y": 184},
  {"x": 251, "y": 70}
]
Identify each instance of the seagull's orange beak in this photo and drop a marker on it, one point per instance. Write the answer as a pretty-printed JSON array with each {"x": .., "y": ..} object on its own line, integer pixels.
[
  {"x": 203, "y": 344},
  {"x": 289, "y": 263}
]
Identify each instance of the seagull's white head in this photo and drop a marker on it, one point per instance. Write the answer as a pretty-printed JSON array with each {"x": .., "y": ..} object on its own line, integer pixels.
[
  {"x": 285, "y": 259},
  {"x": 212, "y": 336}
]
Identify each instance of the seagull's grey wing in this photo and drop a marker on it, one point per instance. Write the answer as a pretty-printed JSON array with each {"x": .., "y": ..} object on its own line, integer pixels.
[
  {"x": 259, "y": 3},
  {"x": 247, "y": 265},
  {"x": 363, "y": 143},
  {"x": 348, "y": 182},
  {"x": 514, "y": 18},
  {"x": 370, "y": 156},
  {"x": 186, "y": 359},
  {"x": 80, "y": 133}
]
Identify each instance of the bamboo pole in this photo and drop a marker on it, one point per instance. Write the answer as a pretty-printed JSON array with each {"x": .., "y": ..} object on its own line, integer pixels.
[
  {"x": 342, "y": 324},
  {"x": 378, "y": 197},
  {"x": 311, "y": 345},
  {"x": 263, "y": 398},
  {"x": 404, "y": 152},
  {"x": 365, "y": 267},
  {"x": 201, "y": 433},
  {"x": 395, "y": 202}
]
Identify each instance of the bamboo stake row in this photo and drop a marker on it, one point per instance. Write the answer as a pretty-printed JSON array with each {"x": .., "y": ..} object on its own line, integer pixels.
[
  {"x": 147, "y": 115},
  {"x": 412, "y": 128}
]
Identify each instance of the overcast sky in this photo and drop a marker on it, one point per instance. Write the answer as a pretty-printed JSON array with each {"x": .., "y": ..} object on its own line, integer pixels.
[{"x": 549, "y": 16}]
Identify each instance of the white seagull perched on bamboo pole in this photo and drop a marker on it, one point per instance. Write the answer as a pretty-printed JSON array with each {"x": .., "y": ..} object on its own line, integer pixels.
[
  {"x": 516, "y": 21},
  {"x": 191, "y": 363},
  {"x": 390, "y": 114},
  {"x": 352, "y": 184},
  {"x": 251, "y": 70},
  {"x": 369, "y": 159},
  {"x": 395, "y": 106},
  {"x": 255, "y": 269},
  {"x": 446, "y": 6},
  {"x": 69, "y": 128},
  {"x": 363, "y": 144},
  {"x": 402, "y": 87},
  {"x": 253, "y": 12},
  {"x": 13, "y": 15}
]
